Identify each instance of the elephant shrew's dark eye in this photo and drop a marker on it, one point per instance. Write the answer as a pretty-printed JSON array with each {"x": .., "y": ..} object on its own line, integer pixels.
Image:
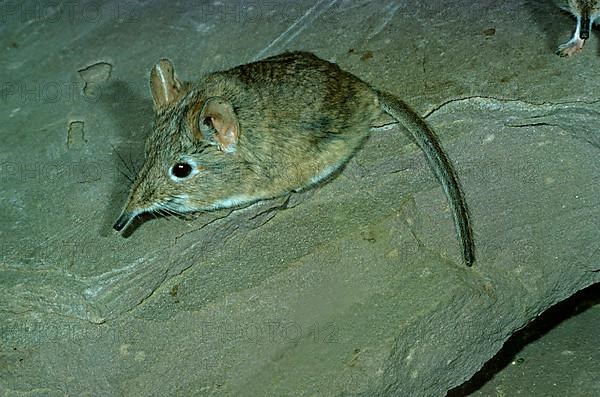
[{"x": 181, "y": 170}]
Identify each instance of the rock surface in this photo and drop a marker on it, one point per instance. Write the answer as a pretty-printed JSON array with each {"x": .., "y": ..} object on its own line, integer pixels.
[{"x": 354, "y": 288}]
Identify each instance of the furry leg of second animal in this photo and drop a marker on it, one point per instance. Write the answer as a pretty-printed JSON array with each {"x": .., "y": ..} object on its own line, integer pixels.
[{"x": 573, "y": 46}]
